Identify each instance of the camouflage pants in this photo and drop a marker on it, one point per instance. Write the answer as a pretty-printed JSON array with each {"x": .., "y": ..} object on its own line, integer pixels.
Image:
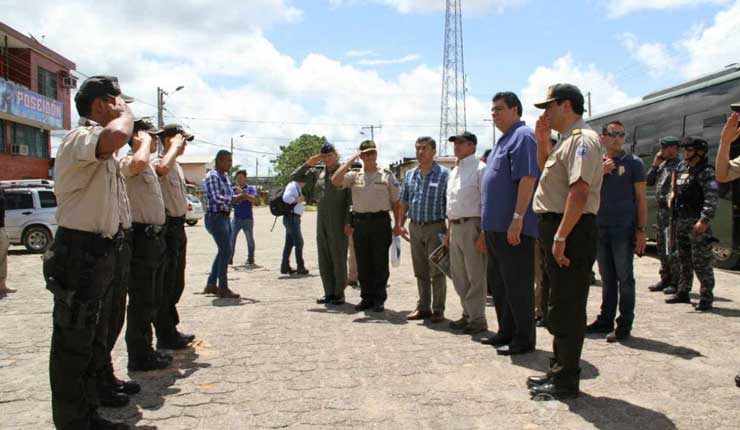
[
  {"x": 668, "y": 272},
  {"x": 695, "y": 256}
]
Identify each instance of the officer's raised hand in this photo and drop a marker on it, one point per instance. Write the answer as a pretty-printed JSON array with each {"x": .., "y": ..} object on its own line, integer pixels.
[
  {"x": 314, "y": 160},
  {"x": 658, "y": 158},
  {"x": 542, "y": 132},
  {"x": 608, "y": 165},
  {"x": 141, "y": 138},
  {"x": 730, "y": 132}
]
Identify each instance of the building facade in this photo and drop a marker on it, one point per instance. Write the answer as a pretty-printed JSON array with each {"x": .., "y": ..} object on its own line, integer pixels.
[{"x": 35, "y": 89}]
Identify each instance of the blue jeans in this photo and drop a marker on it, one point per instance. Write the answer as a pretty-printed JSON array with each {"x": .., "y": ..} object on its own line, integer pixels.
[
  {"x": 293, "y": 238},
  {"x": 246, "y": 225},
  {"x": 615, "y": 254},
  {"x": 220, "y": 228}
]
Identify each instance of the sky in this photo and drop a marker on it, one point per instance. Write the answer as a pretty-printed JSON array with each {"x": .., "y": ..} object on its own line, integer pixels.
[{"x": 263, "y": 72}]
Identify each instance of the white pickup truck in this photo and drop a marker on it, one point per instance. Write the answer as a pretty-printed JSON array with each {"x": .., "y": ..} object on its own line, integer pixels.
[{"x": 30, "y": 213}]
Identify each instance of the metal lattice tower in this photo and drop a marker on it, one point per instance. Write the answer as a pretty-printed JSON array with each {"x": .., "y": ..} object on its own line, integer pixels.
[{"x": 452, "y": 117}]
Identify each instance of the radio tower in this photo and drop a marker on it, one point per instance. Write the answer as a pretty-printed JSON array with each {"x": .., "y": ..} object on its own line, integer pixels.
[{"x": 452, "y": 117}]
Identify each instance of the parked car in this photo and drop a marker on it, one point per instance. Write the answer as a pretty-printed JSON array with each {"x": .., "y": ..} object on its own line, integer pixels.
[
  {"x": 195, "y": 210},
  {"x": 30, "y": 213}
]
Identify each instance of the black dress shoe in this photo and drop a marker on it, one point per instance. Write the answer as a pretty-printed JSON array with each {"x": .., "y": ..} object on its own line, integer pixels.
[
  {"x": 287, "y": 270},
  {"x": 363, "y": 306},
  {"x": 99, "y": 423},
  {"x": 187, "y": 336},
  {"x": 678, "y": 298},
  {"x": 163, "y": 356},
  {"x": 302, "y": 271},
  {"x": 617, "y": 335},
  {"x": 126, "y": 387},
  {"x": 534, "y": 381},
  {"x": 599, "y": 327},
  {"x": 550, "y": 391},
  {"x": 175, "y": 344},
  {"x": 337, "y": 301},
  {"x": 378, "y": 308},
  {"x": 495, "y": 340},
  {"x": 151, "y": 362},
  {"x": 658, "y": 286},
  {"x": 669, "y": 290},
  {"x": 250, "y": 260},
  {"x": 112, "y": 398},
  {"x": 513, "y": 350},
  {"x": 325, "y": 300},
  {"x": 737, "y": 380},
  {"x": 703, "y": 305}
]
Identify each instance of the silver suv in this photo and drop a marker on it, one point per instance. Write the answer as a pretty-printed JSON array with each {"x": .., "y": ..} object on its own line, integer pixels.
[{"x": 30, "y": 213}]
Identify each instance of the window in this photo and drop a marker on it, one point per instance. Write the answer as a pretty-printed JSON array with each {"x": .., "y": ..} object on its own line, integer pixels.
[
  {"x": 47, "y": 83},
  {"x": 645, "y": 138},
  {"x": 18, "y": 200},
  {"x": 48, "y": 199},
  {"x": 30, "y": 141}
]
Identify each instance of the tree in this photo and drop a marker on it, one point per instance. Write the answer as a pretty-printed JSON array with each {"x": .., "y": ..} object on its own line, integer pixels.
[{"x": 295, "y": 154}]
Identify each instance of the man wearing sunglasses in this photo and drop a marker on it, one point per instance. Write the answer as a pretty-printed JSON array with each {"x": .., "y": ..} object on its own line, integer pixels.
[
  {"x": 696, "y": 200},
  {"x": 622, "y": 218}
]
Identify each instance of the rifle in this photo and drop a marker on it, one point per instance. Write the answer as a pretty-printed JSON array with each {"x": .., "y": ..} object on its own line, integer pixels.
[{"x": 670, "y": 231}]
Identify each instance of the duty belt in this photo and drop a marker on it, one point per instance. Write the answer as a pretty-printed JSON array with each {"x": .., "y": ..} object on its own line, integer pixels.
[
  {"x": 150, "y": 230},
  {"x": 463, "y": 219},
  {"x": 92, "y": 242},
  {"x": 369, "y": 215},
  {"x": 176, "y": 220},
  {"x": 427, "y": 222}
]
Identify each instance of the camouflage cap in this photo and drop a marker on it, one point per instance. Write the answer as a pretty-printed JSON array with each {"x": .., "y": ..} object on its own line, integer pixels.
[{"x": 368, "y": 146}]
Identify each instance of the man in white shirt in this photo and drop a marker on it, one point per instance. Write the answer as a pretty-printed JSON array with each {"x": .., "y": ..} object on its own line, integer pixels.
[
  {"x": 465, "y": 239},
  {"x": 292, "y": 222}
]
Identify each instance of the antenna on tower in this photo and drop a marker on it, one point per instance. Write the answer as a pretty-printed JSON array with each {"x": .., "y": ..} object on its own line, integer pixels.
[{"x": 452, "y": 116}]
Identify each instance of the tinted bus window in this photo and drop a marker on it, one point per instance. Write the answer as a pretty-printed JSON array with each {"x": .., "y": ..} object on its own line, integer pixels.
[{"x": 645, "y": 139}]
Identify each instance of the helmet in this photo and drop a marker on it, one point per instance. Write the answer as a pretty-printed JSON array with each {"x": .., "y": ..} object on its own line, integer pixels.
[{"x": 695, "y": 143}]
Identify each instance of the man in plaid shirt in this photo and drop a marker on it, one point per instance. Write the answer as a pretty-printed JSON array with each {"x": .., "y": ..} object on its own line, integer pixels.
[{"x": 424, "y": 202}]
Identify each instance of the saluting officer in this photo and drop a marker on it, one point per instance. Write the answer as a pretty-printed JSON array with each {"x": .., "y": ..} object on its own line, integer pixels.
[
  {"x": 148, "y": 256},
  {"x": 659, "y": 175},
  {"x": 172, "y": 181},
  {"x": 567, "y": 200},
  {"x": 91, "y": 213},
  {"x": 696, "y": 201},
  {"x": 332, "y": 224},
  {"x": 375, "y": 191}
]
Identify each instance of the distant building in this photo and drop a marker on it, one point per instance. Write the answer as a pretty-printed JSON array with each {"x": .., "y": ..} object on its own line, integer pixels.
[
  {"x": 195, "y": 167},
  {"x": 35, "y": 89}
]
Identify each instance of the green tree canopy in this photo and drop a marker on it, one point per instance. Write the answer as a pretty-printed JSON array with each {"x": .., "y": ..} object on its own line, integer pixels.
[{"x": 295, "y": 154}]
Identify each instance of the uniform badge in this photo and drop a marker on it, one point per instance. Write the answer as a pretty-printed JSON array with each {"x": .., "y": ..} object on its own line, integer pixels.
[
  {"x": 581, "y": 151},
  {"x": 621, "y": 170}
]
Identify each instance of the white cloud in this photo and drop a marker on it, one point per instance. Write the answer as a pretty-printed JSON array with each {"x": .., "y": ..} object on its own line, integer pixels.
[
  {"x": 618, "y": 8},
  {"x": 713, "y": 47},
  {"x": 415, "y": 6},
  {"x": 656, "y": 57},
  {"x": 605, "y": 93},
  {"x": 359, "y": 53},
  {"x": 400, "y": 60}
]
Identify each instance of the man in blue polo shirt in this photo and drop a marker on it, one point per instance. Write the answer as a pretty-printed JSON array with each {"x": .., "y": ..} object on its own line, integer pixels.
[
  {"x": 424, "y": 201},
  {"x": 243, "y": 218},
  {"x": 511, "y": 227},
  {"x": 621, "y": 219}
]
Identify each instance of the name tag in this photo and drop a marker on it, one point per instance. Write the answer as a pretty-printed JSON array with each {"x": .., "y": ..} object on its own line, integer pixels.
[{"x": 433, "y": 184}]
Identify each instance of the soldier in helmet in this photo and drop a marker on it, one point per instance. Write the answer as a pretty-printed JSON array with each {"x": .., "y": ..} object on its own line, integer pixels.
[
  {"x": 695, "y": 198},
  {"x": 659, "y": 175}
]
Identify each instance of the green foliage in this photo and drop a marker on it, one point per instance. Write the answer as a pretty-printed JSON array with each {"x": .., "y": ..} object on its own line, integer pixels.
[{"x": 295, "y": 154}]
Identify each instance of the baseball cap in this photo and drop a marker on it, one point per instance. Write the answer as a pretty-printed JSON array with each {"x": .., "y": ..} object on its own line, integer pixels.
[
  {"x": 669, "y": 141},
  {"x": 562, "y": 92},
  {"x": 145, "y": 123},
  {"x": 98, "y": 86},
  {"x": 695, "y": 143},
  {"x": 170, "y": 130},
  {"x": 466, "y": 136},
  {"x": 327, "y": 148},
  {"x": 367, "y": 146}
]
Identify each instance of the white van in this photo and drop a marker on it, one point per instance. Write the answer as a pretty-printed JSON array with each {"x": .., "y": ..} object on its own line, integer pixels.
[{"x": 30, "y": 213}]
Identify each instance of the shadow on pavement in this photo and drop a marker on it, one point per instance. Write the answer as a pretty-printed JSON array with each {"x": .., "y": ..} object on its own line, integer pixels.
[
  {"x": 155, "y": 387},
  {"x": 346, "y": 309},
  {"x": 284, "y": 277},
  {"x": 652, "y": 345},
  {"x": 241, "y": 301},
  {"x": 387, "y": 316},
  {"x": 539, "y": 360},
  {"x": 605, "y": 413},
  {"x": 695, "y": 296},
  {"x": 725, "y": 312}
]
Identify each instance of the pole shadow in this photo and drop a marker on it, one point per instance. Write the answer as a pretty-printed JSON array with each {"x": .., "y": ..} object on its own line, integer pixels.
[{"x": 651, "y": 345}]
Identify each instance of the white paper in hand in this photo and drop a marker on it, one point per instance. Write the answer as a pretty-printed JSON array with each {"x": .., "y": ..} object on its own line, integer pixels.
[{"x": 396, "y": 251}]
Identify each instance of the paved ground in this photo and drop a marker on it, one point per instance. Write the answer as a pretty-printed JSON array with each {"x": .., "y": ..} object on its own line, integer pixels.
[{"x": 276, "y": 360}]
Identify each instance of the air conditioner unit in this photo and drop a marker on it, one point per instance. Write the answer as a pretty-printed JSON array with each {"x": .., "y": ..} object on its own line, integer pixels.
[
  {"x": 69, "y": 82},
  {"x": 20, "y": 149}
]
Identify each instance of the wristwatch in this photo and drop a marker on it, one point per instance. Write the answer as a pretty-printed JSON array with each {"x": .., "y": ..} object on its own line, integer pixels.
[
  {"x": 557, "y": 238},
  {"x": 642, "y": 228},
  {"x": 516, "y": 216}
]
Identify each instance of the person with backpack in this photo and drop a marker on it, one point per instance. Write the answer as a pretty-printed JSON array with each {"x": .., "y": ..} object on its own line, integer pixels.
[{"x": 292, "y": 223}]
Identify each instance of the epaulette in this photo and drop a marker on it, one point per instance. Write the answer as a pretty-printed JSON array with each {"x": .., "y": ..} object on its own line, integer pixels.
[{"x": 576, "y": 131}]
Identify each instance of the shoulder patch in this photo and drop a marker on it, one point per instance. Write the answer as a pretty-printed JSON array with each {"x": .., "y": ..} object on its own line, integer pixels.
[{"x": 581, "y": 151}]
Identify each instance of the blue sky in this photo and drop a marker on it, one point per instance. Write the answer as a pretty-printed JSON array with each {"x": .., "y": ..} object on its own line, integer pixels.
[{"x": 273, "y": 69}]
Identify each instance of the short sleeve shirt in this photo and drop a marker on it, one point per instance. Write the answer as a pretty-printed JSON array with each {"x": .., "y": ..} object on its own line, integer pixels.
[
  {"x": 243, "y": 210},
  {"x": 91, "y": 193},
  {"x": 291, "y": 194},
  {"x": 144, "y": 192},
  {"x": 514, "y": 157},
  {"x": 376, "y": 192},
  {"x": 618, "y": 199},
  {"x": 173, "y": 189},
  {"x": 576, "y": 156},
  {"x": 734, "y": 171},
  {"x": 463, "y": 188}
]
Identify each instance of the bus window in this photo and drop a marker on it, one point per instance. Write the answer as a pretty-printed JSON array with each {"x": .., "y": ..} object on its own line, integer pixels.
[
  {"x": 712, "y": 129},
  {"x": 645, "y": 138},
  {"x": 693, "y": 125}
]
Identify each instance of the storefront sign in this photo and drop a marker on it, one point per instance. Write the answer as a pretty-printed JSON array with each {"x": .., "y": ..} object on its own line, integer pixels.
[{"x": 21, "y": 102}]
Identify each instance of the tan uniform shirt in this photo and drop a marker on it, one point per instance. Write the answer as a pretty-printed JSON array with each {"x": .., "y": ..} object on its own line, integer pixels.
[
  {"x": 144, "y": 192},
  {"x": 173, "y": 190},
  {"x": 372, "y": 193},
  {"x": 734, "y": 171},
  {"x": 91, "y": 193},
  {"x": 576, "y": 156}
]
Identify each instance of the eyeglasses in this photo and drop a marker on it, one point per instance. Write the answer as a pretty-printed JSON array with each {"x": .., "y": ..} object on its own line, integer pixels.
[{"x": 614, "y": 134}]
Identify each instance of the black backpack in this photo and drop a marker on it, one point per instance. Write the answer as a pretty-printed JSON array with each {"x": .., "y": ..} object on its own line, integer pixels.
[{"x": 277, "y": 206}]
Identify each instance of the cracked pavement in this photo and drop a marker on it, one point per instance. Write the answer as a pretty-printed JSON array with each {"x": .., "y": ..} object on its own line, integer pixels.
[{"x": 274, "y": 359}]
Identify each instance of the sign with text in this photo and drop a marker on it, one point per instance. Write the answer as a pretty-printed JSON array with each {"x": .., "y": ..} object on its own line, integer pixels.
[{"x": 15, "y": 100}]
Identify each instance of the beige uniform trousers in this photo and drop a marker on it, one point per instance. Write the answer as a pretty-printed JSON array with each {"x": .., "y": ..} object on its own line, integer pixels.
[{"x": 468, "y": 267}]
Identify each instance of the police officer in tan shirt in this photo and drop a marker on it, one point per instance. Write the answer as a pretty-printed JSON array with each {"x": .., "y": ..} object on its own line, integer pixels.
[
  {"x": 79, "y": 267},
  {"x": 375, "y": 192},
  {"x": 566, "y": 201},
  {"x": 172, "y": 181},
  {"x": 147, "y": 212}
]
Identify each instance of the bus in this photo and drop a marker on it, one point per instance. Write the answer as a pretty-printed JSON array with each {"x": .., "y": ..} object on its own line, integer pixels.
[{"x": 699, "y": 107}]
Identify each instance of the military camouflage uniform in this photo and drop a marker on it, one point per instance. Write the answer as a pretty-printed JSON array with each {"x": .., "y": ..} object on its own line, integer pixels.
[
  {"x": 696, "y": 199},
  {"x": 661, "y": 177}
]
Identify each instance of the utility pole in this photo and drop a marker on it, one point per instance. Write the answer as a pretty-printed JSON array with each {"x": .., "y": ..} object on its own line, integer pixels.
[
  {"x": 257, "y": 167},
  {"x": 160, "y": 107},
  {"x": 589, "y": 103},
  {"x": 372, "y": 130},
  {"x": 453, "y": 112},
  {"x": 232, "y": 146}
]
